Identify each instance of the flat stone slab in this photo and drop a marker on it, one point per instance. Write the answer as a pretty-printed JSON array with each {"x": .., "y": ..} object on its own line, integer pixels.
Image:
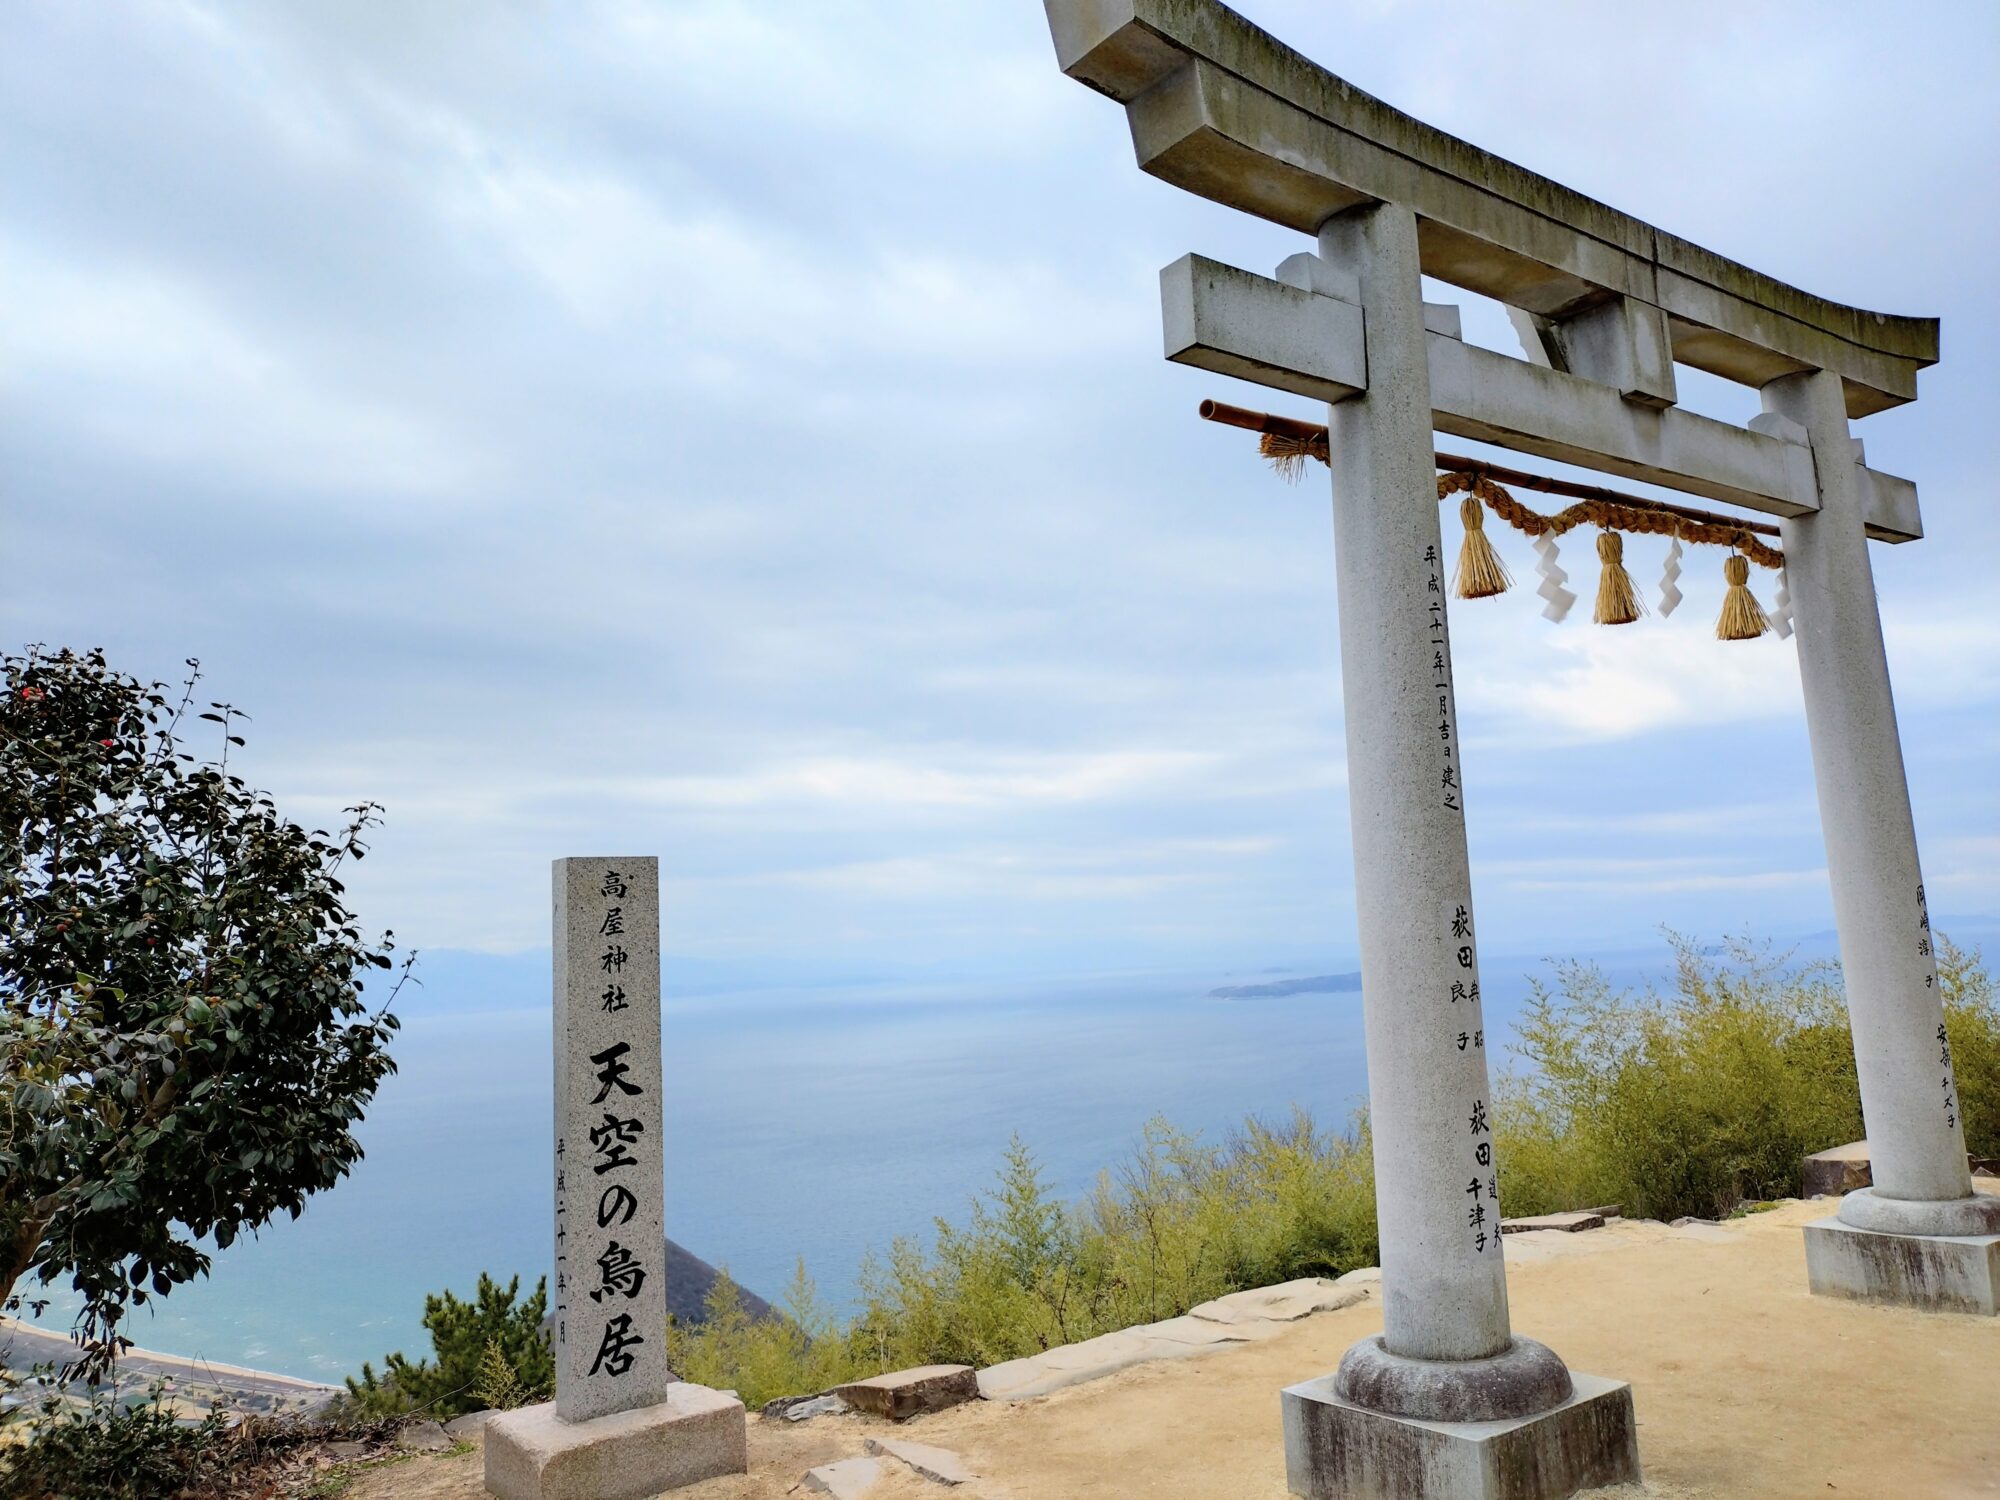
[
  {"x": 1569, "y": 1223},
  {"x": 939, "y": 1465},
  {"x": 1337, "y": 1451},
  {"x": 694, "y": 1434},
  {"x": 1937, "y": 1273},
  {"x": 849, "y": 1479},
  {"x": 1240, "y": 1318},
  {"x": 1286, "y": 1302},
  {"x": 903, "y": 1394}
]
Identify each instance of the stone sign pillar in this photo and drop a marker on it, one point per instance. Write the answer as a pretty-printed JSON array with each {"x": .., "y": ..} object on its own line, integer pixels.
[
  {"x": 1447, "y": 1389},
  {"x": 1920, "y": 1235},
  {"x": 620, "y": 1425}
]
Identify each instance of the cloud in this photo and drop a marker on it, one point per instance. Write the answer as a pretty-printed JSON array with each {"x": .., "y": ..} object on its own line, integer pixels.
[{"x": 740, "y": 432}]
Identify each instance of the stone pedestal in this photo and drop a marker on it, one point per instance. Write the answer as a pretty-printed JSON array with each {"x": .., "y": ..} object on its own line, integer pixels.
[
  {"x": 1938, "y": 1273},
  {"x": 1335, "y": 1450},
  {"x": 691, "y": 1435}
]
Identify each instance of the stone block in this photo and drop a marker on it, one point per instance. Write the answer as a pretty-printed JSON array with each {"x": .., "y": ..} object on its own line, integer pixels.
[
  {"x": 423, "y": 1437},
  {"x": 844, "y": 1479},
  {"x": 939, "y": 1465},
  {"x": 1286, "y": 1302},
  {"x": 903, "y": 1394},
  {"x": 1840, "y": 1169},
  {"x": 695, "y": 1434},
  {"x": 1937, "y": 1273},
  {"x": 1570, "y": 1223},
  {"x": 1337, "y": 1451},
  {"x": 466, "y": 1429}
]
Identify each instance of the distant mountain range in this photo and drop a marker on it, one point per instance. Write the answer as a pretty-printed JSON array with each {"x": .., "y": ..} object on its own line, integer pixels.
[{"x": 1323, "y": 984}]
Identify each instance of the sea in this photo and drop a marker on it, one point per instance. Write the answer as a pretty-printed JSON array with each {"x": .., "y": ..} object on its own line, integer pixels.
[{"x": 803, "y": 1120}]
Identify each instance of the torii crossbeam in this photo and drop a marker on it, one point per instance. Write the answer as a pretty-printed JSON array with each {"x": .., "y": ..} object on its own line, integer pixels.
[{"x": 1448, "y": 1401}]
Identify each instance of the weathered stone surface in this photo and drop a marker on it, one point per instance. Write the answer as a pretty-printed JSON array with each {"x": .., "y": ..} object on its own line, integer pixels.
[
  {"x": 903, "y": 1394},
  {"x": 610, "y": 1292},
  {"x": 940, "y": 1465},
  {"x": 1284, "y": 1303},
  {"x": 1841, "y": 1169},
  {"x": 1871, "y": 1209},
  {"x": 692, "y": 1435},
  {"x": 804, "y": 1408},
  {"x": 1933, "y": 1272},
  {"x": 1221, "y": 109},
  {"x": 1073, "y": 1364},
  {"x": 1569, "y": 1223},
  {"x": 1895, "y": 1011},
  {"x": 422, "y": 1437},
  {"x": 344, "y": 1452},
  {"x": 1337, "y": 1451},
  {"x": 1522, "y": 1380},
  {"x": 1239, "y": 1318},
  {"x": 848, "y": 1479},
  {"x": 467, "y": 1428}
]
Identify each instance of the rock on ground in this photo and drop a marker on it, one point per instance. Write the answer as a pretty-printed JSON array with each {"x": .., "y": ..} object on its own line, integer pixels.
[
  {"x": 903, "y": 1394},
  {"x": 849, "y": 1479},
  {"x": 939, "y": 1465}
]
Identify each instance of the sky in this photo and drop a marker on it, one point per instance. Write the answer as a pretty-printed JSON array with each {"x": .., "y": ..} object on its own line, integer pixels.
[{"x": 738, "y": 433}]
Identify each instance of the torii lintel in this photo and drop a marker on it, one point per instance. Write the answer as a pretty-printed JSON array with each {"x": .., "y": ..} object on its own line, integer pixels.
[{"x": 1207, "y": 94}]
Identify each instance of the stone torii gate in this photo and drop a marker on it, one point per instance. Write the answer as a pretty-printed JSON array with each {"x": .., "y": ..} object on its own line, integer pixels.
[{"x": 1448, "y": 1401}]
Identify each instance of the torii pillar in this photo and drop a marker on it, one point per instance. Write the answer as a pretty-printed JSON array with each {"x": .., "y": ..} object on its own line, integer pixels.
[
  {"x": 1919, "y": 1235},
  {"x": 1447, "y": 1400}
]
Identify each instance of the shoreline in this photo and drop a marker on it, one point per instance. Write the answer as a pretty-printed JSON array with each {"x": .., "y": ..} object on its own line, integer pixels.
[{"x": 206, "y": 1371}]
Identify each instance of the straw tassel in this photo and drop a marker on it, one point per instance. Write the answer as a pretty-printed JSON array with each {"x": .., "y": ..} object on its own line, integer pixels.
[
  {"x": 1553, "y": 578},
  {"x": 1480, "y": 574},
  {"x": 1670, "y": 577},
  {"x": 1287, "y": 454},
  {"x": 1618, "y": 603},
  {"x": 1742, "y": 616}
]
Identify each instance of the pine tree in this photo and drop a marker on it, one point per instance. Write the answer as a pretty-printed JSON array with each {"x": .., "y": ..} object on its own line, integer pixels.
[{"x": 460, "y": 1332}]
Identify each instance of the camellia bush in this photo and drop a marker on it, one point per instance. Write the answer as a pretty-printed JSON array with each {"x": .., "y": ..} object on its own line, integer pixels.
[{"x": 185, "y": 1040}]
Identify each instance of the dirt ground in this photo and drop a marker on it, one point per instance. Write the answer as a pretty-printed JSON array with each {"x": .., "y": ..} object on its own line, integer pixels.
[{"x": 1744, "y": 1386}]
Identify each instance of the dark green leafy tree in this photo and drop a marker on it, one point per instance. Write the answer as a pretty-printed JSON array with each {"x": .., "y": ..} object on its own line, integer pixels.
[
  {"x": 185, "y": 1042},
  {"x": 465, "y": 1339}
]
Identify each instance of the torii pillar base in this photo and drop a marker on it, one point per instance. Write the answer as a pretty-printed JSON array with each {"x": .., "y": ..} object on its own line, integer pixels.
[
  {"x": 1933, "y": 1272},
  {"x": 695, "y": 1434},
  {"x": 1335, "y": 1450}
]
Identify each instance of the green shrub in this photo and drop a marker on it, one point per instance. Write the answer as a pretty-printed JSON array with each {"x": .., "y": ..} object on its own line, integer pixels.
[
  {"x": 108, "y": 1449},
  {"x": 462, "y": 1334},
  {"x": 1178, "y": 1223},
  {"x": 801, "y": 1350},
  {"x": 1695, "y": 1100},
  {"x": 1972, "y": 1022}
]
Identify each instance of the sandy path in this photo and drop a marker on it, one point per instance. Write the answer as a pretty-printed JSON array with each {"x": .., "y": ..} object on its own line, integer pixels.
[{"x": 1744, "y": 1386}]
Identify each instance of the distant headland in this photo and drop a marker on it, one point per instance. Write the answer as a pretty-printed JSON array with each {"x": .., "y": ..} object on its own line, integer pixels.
[{"x": 1323, "y": 984}]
